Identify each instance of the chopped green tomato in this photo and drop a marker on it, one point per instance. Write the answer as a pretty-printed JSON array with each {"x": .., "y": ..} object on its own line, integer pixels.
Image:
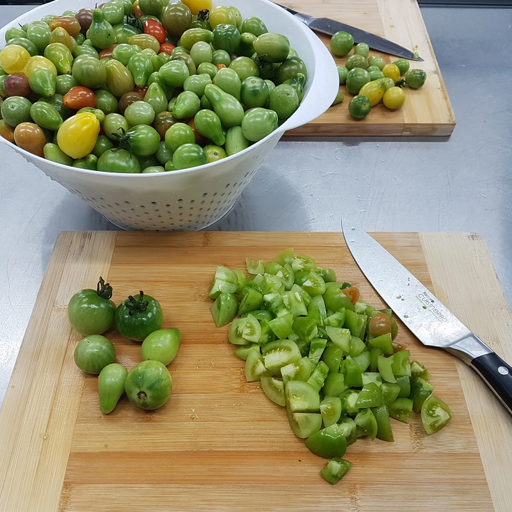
[
  {"x": 297, "y": 371},
  {"x": 314, "y": 284},
  {"x": 390, "y": 392},
  {"x": 251, "y": 301},
  {"x": 319, "y": 375},
  {"x": 251, "y": 285},
  {"x": 417, "y": 369},
  {"x": 267, "y": 334},
  {"x": 304, "y": 424},
  {"x": 365, "y": 419},
  {"x": 226, "y": 274},
  {"x": 274, "y": 389},
  {"x": 295, "y": 303},
  {"x": 353, "y": 373},
  {"x": 363, "y": 360},
  {"x": 348, "y": 401},
  {"x": 383, "y": 342},
  {"x": 318, "y": 303},
  {"x": 252, "y": 329},
  {"x": 356, "y": 346},
  {"x": 401, "y": 365},
  {"x": 272, "y": 284},
  {"x": 370, "y": 396},
  {"x": 374, "y": 355},
  {"x": 236, "y": 331},
  {"x": 420, "y": 391},
  {"x": 361, "y": 307},
  {"x": 305, "y": 327},
  {"x": 303, "y": 262},
  {"x": 282, "y": 326},
  {"x": 336, "y": 319},
  {"x": 287, "y": 256},
  {"x": 254, "y": 367},
  {"x": 405, "y": 386},
  {"x": 301, "y": 276},
  {"x": 286, "y": 274},
  {"x": 384, "y": 364},
  {"x": 316, "y": 349},
  {"x": 306, "y": 298},
  {"x": 243, "y": 351},
  {"x": 354, "y": 322},
  {"x": 401, "y": 409},
  {"x": 272, "y": 301},
  {"x": 242, "y": 279},
  {"x": 394, "y": 328},
  {"x": 327, "y": 274},
  {"x": 335, "y": 470},
  {"x": 328, "y": 442},
  {"x": 435, "y": 414},
  {"x": 372, "y": 377},
  {"x": 315, "y": 315},
  {"x": 301, "y": 397},
  {"x": 224, "y": 309},
  {"x": 220, "y": 286},
  {"x": 272, "y": 267},
  {"x": 303, "y": 345},
  {"x": 260, "y": 314},
  {"x": 277, "y": 354},
  {"x": 340, "y": 337},
  {"x": 334, "y": 297},
  {"x": 332, "y": 357},
  {"x": 384, "y": 432},
  {"x": 330, "y": 409},
  {"x": 255, "y": 266},
  {"x": 349, "y": 428},
  {"x": 334, "y": 384}
]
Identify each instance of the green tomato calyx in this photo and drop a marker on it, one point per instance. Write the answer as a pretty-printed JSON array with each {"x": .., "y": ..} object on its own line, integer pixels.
[
  {"x": 104, "y": 290},
  {"x": 136, "y": 306}
]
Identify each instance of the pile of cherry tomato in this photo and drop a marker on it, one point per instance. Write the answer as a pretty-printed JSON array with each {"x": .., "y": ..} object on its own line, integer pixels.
[{"x": 148, "y": 86}]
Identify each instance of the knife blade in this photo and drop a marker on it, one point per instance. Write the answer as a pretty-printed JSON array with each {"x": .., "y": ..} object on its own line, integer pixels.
[
  {"x": 330, "y": 27},
  {"x": 426, "y": 316}
]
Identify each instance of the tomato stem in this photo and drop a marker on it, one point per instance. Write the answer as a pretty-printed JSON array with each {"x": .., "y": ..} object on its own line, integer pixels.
[
  {"x": 136, "y": 306},
  {"x": 123, "y": 139},
  {"x": 104, "y": 290},
  {"x": 203, "y": 15}
]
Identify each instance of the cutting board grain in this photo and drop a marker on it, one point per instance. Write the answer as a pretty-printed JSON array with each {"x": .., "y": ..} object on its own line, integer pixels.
[
  {"x": 427, "y": 111},
  {"x": 219, "y": 444}
]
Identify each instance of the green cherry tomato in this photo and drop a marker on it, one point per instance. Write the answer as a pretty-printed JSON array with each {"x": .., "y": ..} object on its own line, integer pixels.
[
  {"x": 55, "y": 154},
  {"x": 289, "y": 69},
  {"x": 258, "y": 123},
  {"x": 90, "y": 162},
  {"x": 114, "y": 125},
  {"x": 39, "y": 35},
  {"x": 201, "y": 52},
  {"x": 356, "y": 78},
  {"x": 245, "y": 67},
  {"x": 402, "y": 65},
  {"x": 187, "y": 105},
  {"x": 92, "y": 311},
  {"x": 375, "y": 60},
  {"x": 359, "y": 107},
  {"x": 93, "y": 353},
  {"x": 64, "y": 84},
  {"x": 101, "y": 32},
  {"x": 111, "y": 381},
  {"x": 16, "y": 110},
  {"x": 246, "y": 46},
  {"x": 214, "y": 153},
  {"x": 197, "y": 83},
  {"x": 255, "y": 92},
  {"x": 161, "y": 345},
  {"x": 362, "y": 49},
  {"x": 60, "y": 56},
  {"x": 342, "y": 73},
  {"x": 144, "y": 140},
  {"x": 415, "y": 78},
  {"x": 89, "y": 72},
  {"x": 46, "y": 116},
  {"x": 106, "y": 101},
  {"x": 221, "y": 57},
  {"x": 174, "y": 73},
  {"x": 123, "y": 32},
  {"x": 272, "y": 47},
  {"x": 176, "y": 19},
  {"x": 43, "y": 82},
  {"x": 177, "y": 135},
  {"x": 103, "y": 143},
  {"x": 356, "y": 61},
  {"x": 119, "y": 161},
  {"x": 138, "y": 316},
  {"x": 226, "y": 37},
  {"x": 163, "y": 154},
  {"x": 149, "y": 385},
  {"x": 189, "y": 155},
  {"x": 139, "y": 113},
  {"x": 284, "y": 100},
  {"x": 208, "y": 69},
  {"x": 153, "y": 169},
  {"x": 254, "y": 26},
  {"x": 113, "y": 12},
  {"x": 341, "y": 44},
  {"x": 57, "y": 101}
]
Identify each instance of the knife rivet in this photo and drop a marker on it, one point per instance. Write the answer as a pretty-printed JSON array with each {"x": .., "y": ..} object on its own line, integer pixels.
[{"x": 503, "y": 371}]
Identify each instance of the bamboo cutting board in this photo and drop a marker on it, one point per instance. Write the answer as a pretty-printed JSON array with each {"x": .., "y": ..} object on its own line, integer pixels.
[
  {"x": 219, "y": 444},
  {"x": 427, "y": 111}
]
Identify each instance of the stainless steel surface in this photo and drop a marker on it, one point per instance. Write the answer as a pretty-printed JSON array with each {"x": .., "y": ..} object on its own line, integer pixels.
[
  {"x": 461, "y": 184},
  {"x": 426, "y": 316},
  {"x": 330, "y": 27}
]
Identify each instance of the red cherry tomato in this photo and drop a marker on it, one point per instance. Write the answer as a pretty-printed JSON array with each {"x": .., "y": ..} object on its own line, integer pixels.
[
  {"x": 167, "y": 48},
  {"x": 155, "y": 29},
  {"x": 79, "y": 97}
]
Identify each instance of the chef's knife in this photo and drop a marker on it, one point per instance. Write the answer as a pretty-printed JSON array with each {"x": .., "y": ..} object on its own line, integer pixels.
[
  {"x": 330, "y": 27},
  {"x": 427, "y": 317}
]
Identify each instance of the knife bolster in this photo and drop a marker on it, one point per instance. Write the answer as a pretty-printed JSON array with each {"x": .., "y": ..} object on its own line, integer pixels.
[{"x": 468, "y": 348}]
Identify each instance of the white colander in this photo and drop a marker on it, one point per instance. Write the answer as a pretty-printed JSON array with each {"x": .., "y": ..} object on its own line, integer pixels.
[{"x": 195, "y": 198}]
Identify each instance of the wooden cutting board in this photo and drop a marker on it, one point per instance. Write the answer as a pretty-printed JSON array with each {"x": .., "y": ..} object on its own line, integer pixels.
[
  {"x": 219, "y": 443},
  {"x": 427, "y": 111}
]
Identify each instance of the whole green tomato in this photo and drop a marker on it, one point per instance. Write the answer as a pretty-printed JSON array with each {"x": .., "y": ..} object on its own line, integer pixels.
[
  {"x": 189, "y": 155},
  {"x": 89, "y": 72},
  {"x": 119, "y": 161},
  {"x": 93, "y": 353},
  {"x": 148, "y": 385},
  {"x": 161, "y": 345},
  {"x": 144, "y": 140},
  {"x": 138, "y": 316}
]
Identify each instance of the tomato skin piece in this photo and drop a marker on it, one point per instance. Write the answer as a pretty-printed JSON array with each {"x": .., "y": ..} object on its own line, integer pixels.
[
  {"x": 138, "y": 316},
  {"x": 92, "y": 311},
  {"x": 77, "y": 135}
]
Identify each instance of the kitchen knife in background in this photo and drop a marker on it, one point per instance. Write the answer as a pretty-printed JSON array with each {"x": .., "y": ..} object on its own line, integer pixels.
[
  {"x": 330, "y": 27},
  {"x": 425, "y": 316}
]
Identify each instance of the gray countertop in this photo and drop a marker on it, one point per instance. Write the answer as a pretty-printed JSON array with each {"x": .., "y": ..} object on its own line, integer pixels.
[{"x": 459, "y": 184}]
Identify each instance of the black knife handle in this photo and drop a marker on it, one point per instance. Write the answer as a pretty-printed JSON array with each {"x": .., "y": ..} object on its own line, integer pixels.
[{"x": 497, "y": 374}]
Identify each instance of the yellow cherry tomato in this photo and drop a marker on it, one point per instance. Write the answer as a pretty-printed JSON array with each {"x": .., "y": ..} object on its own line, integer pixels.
[
  {"x": 198, "y": 5},
  {"x": 374, "y": 91},
  {"x": 394, "y": 98},
  {"x": 13, "y": 58},
  {"x": 39, "y": 62},
  {"x": 77, "y": 135},
  {"x": 392, "y": 71}
]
